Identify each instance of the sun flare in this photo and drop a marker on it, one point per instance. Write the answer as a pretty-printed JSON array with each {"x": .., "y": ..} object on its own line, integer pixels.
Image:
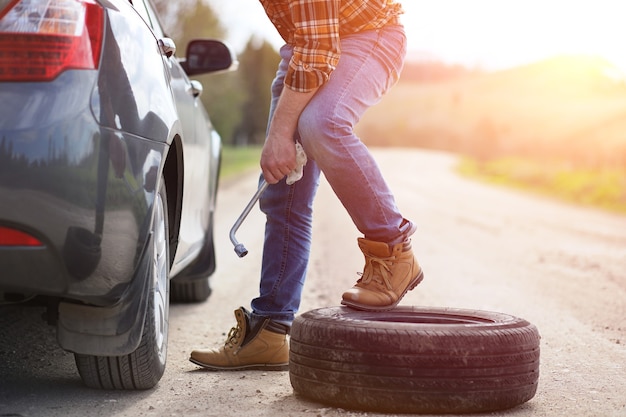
[{"x": 497, "y": 34}]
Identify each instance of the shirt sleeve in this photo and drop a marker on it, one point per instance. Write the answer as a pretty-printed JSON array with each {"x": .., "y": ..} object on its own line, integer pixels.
[{"x": 316, "y": 43}]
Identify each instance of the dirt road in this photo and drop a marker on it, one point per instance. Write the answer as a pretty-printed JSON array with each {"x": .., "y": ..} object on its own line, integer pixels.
[{"x": 561, "y": 267}]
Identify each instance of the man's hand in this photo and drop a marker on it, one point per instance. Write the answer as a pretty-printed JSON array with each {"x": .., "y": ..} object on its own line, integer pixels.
[
  {"x": 279, "y": 152},
  {"x": 278, "y": 158}
]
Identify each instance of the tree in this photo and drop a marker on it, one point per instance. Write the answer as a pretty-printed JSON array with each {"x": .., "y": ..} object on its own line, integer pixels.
[
  {"x": 193, "y": 19},
  {"x": 238, "y": 102},
  {"x": 257, "y": 68},
  {"x": 196, "y": 20},
  {"x": 170, "y": 13}
]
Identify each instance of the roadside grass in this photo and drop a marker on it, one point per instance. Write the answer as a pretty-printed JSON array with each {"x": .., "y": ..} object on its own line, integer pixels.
[
  {"x": 238, "y": 159},
  {"x": 604, "y": 189},
  {"x": 555, "y": 127}
]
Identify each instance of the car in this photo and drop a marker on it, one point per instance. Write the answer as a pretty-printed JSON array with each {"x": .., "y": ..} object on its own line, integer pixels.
[{"x": 109, "y": 168}]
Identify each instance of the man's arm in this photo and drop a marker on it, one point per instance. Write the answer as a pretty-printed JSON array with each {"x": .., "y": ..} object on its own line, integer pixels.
[
  {"x": 315, "y": 55},
  {"x": 278, "y": 157}
]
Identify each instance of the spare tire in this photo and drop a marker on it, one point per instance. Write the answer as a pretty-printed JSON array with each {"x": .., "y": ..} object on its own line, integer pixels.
[{"x": 414, "y": 359}]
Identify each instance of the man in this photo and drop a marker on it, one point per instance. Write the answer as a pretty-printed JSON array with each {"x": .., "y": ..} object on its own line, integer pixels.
[{"x": 340, "y": 57}]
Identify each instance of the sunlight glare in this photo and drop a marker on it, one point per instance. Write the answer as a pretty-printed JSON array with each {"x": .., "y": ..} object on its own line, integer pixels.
[{"x": 498, "y": 34}]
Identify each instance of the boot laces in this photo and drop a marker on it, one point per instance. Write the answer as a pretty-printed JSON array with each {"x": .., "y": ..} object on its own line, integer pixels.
[
  {"x": 378, "y": 269},
  {"x": 234, "y": 337}
]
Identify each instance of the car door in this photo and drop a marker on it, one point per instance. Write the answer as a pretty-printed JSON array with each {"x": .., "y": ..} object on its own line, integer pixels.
[{"x": 197, "y": 153}]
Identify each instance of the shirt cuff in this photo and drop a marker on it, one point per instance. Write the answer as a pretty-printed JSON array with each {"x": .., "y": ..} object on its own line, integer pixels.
[{"x": 304, "y": 77}]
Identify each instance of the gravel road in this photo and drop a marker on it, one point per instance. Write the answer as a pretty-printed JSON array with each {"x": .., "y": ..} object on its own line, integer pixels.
[{"x": 561, "y": 267}]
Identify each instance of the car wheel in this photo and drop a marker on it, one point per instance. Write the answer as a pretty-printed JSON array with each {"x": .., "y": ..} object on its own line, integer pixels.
[
  {"x": 414, "y": 360},
  {"x": 191, "y": 291},
  {"x": 193, "y": 285},
  {"x": 143, "y": 368}
]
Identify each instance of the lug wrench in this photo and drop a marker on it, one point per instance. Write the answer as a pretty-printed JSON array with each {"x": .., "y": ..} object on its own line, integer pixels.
[
  {"x": 293, "y": 176},
  {"x": 240, "y": 249}
]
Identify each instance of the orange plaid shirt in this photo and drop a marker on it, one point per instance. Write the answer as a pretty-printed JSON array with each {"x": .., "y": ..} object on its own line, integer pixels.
[{"x": 314, "y": 28}]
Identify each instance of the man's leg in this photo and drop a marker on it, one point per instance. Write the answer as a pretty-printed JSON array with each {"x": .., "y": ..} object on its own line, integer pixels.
[
  {"x": 259, "y": 340},
  {"x": 370, "y": 64}
]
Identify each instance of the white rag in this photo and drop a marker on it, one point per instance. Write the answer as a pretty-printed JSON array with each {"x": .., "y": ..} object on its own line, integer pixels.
[{"x": 301, "y": 159}]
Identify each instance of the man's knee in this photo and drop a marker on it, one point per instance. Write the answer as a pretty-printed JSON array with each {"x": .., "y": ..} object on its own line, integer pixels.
[{"x": 319, "y": 129}]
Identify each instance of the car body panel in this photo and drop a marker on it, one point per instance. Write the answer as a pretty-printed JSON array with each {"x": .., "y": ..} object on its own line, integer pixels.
[{"x": 80, "y": 159}]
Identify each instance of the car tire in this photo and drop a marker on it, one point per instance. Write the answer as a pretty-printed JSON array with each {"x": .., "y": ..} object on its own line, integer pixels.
[
  {"x": 143, "y": 368},
  {"x": 414, "y": 360},
  {"x": 193, "y": 285},
  {"x": 191, "y": 291}
]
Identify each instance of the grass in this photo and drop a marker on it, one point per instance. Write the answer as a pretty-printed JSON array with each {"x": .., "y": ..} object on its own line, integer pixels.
[
  {"x": 605, "y": 189},
  {"x": 508, "y": 124},
  {"x": 236, "y": 160}
]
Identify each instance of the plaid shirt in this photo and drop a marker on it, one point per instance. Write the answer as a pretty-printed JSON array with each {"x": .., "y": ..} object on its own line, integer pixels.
[{"x": 314, "y": 28}]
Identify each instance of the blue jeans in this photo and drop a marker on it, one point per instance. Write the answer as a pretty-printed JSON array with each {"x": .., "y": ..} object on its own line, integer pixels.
[{"x": 370, "y": 64}]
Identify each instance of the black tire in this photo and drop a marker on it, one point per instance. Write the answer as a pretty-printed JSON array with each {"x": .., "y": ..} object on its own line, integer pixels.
[
  {"x": 143, "y": 368},
  {"x": 191, "y": 291},
  {"x": 193, "y": 284},
  {"x": 414, "y": 360}
]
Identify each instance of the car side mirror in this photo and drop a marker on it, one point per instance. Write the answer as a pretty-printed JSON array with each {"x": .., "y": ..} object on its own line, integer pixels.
[{"x": 207, "y": 55}]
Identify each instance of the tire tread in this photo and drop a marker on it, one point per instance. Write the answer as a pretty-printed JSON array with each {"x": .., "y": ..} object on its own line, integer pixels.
[{"x": 385, "y": 366}]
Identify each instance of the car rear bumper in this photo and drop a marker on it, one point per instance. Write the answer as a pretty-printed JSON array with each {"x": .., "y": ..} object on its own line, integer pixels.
[{"x": 86, "y": 192}]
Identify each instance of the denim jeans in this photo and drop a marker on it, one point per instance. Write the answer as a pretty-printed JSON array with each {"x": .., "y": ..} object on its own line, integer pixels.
[{"x": 370, "y": 64}]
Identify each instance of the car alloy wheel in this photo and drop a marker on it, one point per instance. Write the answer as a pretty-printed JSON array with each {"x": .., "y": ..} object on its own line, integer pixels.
[
  {"x": 143, "y": 368},
  {"x": 161, "y": 276}
]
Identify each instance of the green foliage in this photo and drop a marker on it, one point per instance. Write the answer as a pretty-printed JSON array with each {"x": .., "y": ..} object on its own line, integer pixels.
[
  {"x": 556, "y": 126},
  {"x": 238, "y": 102},
  {"x": 197, "y": 21},
  {"x": 257, "y": 69},
  {"x": 173, "y": 17},
  {"x": 223, "y": 97},
  {"x": 604, "y": 188},
  {"x": 239, "y": 159}
]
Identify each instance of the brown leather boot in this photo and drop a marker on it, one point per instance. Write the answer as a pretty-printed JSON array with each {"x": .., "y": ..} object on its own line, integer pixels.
[
  {"x": 388, "y": 274},
  {"x": 263, "y": 347}
]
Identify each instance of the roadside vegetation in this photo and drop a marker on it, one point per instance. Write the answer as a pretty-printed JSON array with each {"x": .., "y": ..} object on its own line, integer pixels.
[
  {"x": 238, "y": 101},
  {"x": 557, "y": 127},
  {"x": 597, "y": 188},
  {"x": 238, "y": 159}
]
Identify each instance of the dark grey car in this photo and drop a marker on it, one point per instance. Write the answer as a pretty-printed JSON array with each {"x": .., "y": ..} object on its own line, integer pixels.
[{"x": 108, "y": 178}]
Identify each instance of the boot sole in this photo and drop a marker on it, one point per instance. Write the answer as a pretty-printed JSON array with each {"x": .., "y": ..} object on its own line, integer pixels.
[
  {"x": 364, "y": 307},
  {"x": 251, "y": 367}
]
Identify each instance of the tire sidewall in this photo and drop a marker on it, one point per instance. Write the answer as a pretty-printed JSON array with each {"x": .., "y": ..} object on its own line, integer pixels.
[
  {"x": 156, "y": 331},
  {"x": 414, "y": 359}
]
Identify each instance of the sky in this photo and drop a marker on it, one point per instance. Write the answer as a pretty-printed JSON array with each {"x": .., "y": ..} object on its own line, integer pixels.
[{"x": 491, "y": 34}]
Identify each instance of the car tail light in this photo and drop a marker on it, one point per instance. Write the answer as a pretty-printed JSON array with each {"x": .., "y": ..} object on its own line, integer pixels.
[
  {"x": 39, "y": 39},
  {"x": 14, "y": 237}
]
